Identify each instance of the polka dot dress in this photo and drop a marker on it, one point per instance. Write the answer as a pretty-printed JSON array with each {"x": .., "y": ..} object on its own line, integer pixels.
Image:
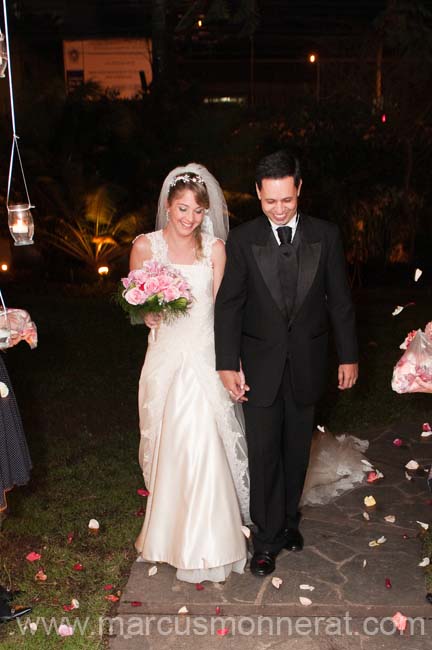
[{"x": 15, "y": 462}]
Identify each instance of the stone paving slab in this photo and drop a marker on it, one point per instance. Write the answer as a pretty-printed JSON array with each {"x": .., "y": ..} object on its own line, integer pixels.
[{"x": 348, "y": 575}]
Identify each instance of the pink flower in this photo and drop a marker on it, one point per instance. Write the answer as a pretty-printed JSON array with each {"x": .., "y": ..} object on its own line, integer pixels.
[
  {"x": 32, "y": 557},
  {"x": 135, "y": 297},
  {"x": 152, "y": 286},
  {"x": 126, "y": 282},
  {"x": 65, "y": 630},
  {"x": 171, "y": 293},
  {"x": 427, "y": 427}
]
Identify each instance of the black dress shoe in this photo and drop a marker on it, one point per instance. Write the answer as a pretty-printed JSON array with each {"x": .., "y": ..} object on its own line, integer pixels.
[
  {"x": 293, "y": 539},
  {"x": 262, "y": 563},
  {"x": 7, "y": 614}
]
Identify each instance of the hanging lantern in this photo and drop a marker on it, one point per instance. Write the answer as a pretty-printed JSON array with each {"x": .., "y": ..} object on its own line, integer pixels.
[
  {"x": 21, "y": 224},
  {"x": 3, "y": 55}
]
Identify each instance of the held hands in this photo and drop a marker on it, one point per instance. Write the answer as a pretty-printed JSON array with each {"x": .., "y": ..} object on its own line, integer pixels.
[
  {"x": 235, "y": 384},
  {"x": 347, "y": 375},
  {"x": 152, "y": 320}
]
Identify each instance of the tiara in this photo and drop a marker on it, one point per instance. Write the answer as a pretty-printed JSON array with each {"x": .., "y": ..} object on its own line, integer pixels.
[{"x": 187, "y": 178}]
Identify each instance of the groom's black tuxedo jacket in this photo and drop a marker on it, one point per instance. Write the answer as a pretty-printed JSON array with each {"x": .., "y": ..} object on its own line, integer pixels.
[{"x": 251, "y": 322}]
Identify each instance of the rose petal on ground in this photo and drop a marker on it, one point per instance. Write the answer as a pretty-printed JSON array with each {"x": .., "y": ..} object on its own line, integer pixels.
[
  {"x": 423, "y": 525},
  {"x": 223, "y": 631},
  {"x": 41, "y": 576},
  {"x": 305, "y": 601},
  {"x": 307, "y": 587},
  {"x": 93, "y": 523},
  {"x": 112, "y": 598},
  {"x": 364, "y": 563},
  {"x": 75, "y": 603},
  {"x": 276, "y": 582},
  {"x": 390, "y": 519},
  {"x": 366, "y": 515},
  {"x": 426, "y": 426},
  {"x": 412, "y": 464},
  {"x": 68, "y": 608},
  {"x": 369, "y": 501},
  {"x": 199, "y": 586},
  {"x": 246, "y": 531},
  {"x": 142, "y": 492},
  {"x": 69, "y": 538},
  {"x": 33, "y": 626},
  {"x": 398, "y": 442},
  {"x": 218, "y": 611},
  {"x": 388, "y": 583},
  {"x": 108, "y": 587},
  {"x": 140, "y": 512},
  {"x": 136, "y": 603},
  {"x": 372, "y": 477},
  {"x": 65, "y": 630},
  {"x": 78, "y": 567},
  {"x": 152, "y": 571},
  {"x": 32, "y": 557},
  {"x": 183, "y": 610},
  {"x": 426, "y": 434},
  {"x": 321, "y": 428},
  {"x": 417, "y": 274},
  {"x": 425, "y": 562},
  {"x": 400, "y": 621},
  {"x": 397, "y": 310},
  {"x": 382, "y": 540},
  {"x": 367, "y": 463}
]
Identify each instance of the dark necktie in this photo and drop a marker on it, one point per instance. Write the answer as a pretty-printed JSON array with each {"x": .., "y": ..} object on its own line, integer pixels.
[{"x": 288, "y": 268}]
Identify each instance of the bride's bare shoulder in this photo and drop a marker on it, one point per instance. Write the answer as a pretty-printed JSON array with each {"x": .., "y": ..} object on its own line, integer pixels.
[{"x": 141, "y": 250}]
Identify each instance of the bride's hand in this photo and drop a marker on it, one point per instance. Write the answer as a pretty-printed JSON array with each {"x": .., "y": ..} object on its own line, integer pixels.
[{"x": 152, "y": 320}]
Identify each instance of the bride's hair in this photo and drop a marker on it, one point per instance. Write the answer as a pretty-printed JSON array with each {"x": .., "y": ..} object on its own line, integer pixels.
[{"x": 194, "y": 183}]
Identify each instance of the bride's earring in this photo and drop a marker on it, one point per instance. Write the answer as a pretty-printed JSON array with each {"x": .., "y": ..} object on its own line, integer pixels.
[{"x": 167, "y": 215}]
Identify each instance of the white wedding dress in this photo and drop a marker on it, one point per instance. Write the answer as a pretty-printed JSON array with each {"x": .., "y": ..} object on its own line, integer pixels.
[{"x": 192, "y": 451}]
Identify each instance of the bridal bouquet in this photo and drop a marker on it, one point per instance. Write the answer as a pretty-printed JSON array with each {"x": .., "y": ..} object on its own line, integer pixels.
[
  {"x": 154, "y": 289},
  {"x": 415, "y": 363}
]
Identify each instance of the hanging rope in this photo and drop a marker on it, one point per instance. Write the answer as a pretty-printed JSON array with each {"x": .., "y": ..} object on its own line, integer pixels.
[{"x": 15, "y": 137}]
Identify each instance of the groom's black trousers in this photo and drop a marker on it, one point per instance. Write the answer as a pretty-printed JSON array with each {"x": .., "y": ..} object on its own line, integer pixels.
[{"x": 279, "y": 440}]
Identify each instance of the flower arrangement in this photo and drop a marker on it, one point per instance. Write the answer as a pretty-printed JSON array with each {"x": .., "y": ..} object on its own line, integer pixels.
[
  {"x": 415, "y": 364},
  {"x": 154, "y": 289}
]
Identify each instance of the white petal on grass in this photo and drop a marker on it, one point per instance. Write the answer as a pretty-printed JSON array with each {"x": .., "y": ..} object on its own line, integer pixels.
[
  {"x": 321, "y": 428},
  {"x": 397, "y": 310},
  {"x": 305, "y": 601},
  {"x": 382, "y": 540},
  {"x": 276, "y": 582},
  {"x": 426, "y": 434},
  {"x": 417, "y": 275},
  {"x": 390, "y": 519},
  {"x": 366, "y": 515},
  {"x": 412, "y": 464},
  {"x": 425, "y": 562},
  {"x": 75, "y": 603},
  {"x": 364, "y": 563},
  {"x": 307, "y": 587},
  {"x": 152, "y": 571}
]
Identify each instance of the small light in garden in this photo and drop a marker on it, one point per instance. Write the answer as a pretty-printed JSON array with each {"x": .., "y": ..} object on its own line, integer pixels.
[
  {"x": 21, "y": 224},
  {"x": 4, "y": 267},
  {"x": 383, "y": 118},
  {"x": 3, "y": 55},
  {"x": 200, "y": 23},
  {"x": 312, "y": 58},
  {"x": 103, "y": 270}
]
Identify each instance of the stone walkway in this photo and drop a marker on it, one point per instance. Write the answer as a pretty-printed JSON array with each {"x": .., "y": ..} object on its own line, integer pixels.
[{"x": 351, "y": 606}]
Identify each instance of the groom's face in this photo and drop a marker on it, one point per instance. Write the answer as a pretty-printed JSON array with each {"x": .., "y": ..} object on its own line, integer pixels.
[{"x": 279, "y": 199}]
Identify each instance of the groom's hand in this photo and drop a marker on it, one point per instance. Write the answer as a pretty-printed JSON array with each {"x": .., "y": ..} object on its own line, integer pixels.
[
  {"x": 347, "y": 375},
  {"x": 235, "y": 384}
]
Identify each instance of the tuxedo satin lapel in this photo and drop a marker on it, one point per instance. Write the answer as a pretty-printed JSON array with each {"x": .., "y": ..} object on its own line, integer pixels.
[
  {"x": 266, "y": 256},
  {"x": 309, "y": 253}
]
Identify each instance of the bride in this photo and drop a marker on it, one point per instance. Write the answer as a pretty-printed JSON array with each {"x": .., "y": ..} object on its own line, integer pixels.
[{"x": 192, "y": 451}]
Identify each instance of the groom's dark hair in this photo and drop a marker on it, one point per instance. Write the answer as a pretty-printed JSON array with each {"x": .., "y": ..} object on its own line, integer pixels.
[{"x": 278, "y": 165}]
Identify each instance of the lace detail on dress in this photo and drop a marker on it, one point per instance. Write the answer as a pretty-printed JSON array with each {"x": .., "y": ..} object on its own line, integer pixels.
[{"x": 160, "y": 249}]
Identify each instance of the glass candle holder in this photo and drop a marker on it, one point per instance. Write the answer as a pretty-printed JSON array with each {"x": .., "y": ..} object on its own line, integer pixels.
[{"x": 21, "y": 224}]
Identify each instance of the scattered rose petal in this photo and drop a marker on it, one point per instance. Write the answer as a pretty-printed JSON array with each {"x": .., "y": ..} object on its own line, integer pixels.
[
  {"x": 75, "y": 603},
  {"x": 423, "y": 525},
  {"x": 412, "y": 464},
  {"x": 367, "y": 463},
  {"x": 108, "y": 587},
  {"x": 305, "y": 601},
  {"x": 199, "y": 586},
  {"x": 183, "y": 610},
  {"x": 408, "y": 476},
  {"x": 398, "y": 442},
  {"x": 78, "y": 567},
  {"x": 425, "y": 562},
  {"x": 400, "y": 621},
  {"x": 223, "y": 631},
  {"x": 93, "y": 526},
  {"x": 369, "y": 502},
  {"x": 307, "y": 587},
  {"x": 32, "y": 557},
  {"x": 276, "y": 582},
  {"x": 426, "y": 434},
  {"x": 140, "y": 512},
  {"x": 379, "y": 474},
  {"x": 388, "y": 583},
  {"x": 397, "y": 310},
  {"x": 152, "y": 571},
  {"x": 364, "y": 563},
  {"x": 246, "y": 531},
  {"x": 426, "y": 427},
  {"x": 372, "y": 477},
  {"x": 366, "y": 515},
  {"x": 218, "y": 610},
  {"x": 4, "y": 390},
  {"x": 65, "y": 630},
  {"x": 69, "y": 538},
  {"x": 68, "y": 608},
  {"x": 142, "y": 492},
  {"x": 390, "y": 519},
  {"x": 112, "y": 598},
  {"x": 41, "y": 576},
  {"x": 33, "y": 626},
  {"x": 417, "y": 274},
  {"x": 136, "y": 603},
  {"x": 373, "y": 543},
  {"x": 382, "y": 540},
  {"x": 321, "y": 428}
]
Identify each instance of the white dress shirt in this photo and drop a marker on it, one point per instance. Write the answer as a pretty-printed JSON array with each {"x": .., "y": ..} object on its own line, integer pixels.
[{"x": 292, "y": 224}]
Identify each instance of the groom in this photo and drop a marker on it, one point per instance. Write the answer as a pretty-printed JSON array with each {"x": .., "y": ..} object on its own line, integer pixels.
[{"x": 284, "y": 284}]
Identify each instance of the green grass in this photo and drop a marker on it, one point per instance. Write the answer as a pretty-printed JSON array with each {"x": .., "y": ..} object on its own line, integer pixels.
[{"x": 78, "y": 397}]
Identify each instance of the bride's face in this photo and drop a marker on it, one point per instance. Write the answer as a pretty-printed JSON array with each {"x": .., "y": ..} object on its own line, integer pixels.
[{"x": 185, "y": 214}]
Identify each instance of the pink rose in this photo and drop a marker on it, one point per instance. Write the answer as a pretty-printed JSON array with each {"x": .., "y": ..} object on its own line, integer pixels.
[
  {"x": 151, "y": 286},
  {"x": 126, "y": 282},
  {"x": 135, "y": 297},
  {"x": 164, "y": 281},
  {"x": 139, "y": 276},
  {"x": 171, "y": 293}
]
